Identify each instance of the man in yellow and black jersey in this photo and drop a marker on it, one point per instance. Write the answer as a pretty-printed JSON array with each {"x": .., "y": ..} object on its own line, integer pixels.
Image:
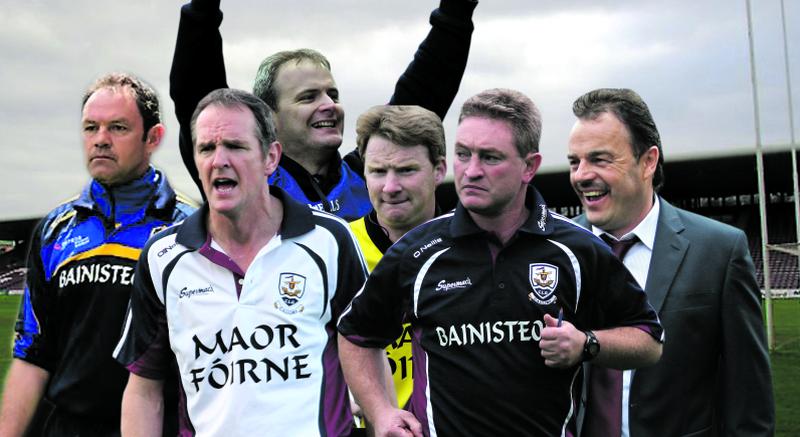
[{"x": 404, "y": 160}]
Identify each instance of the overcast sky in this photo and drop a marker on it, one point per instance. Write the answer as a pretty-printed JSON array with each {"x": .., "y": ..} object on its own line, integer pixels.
[{"x": 687, "y": 58}]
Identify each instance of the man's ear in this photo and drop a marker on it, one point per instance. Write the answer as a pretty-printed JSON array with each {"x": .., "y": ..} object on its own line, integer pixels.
[
  {"x": 439, "y": 171},
  {"x": 650, "y": 160},
  {"x": 273, "y": 157},
  {"x": 532, "y": 162},
  {"x": 153, "y": 138}
]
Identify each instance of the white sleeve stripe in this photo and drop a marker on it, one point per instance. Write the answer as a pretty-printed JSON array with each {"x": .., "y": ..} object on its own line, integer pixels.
[
  {"x": 571, "y": 411},
  {"x": 575, "y": 266},
  {"x": 429, "y": 404},
  {"x": 350, "y": 305},
  {"x": 421, "y": 275},
  {"x": 440, "y": 217},
  {"x": 128, "y": 318},
  {"x": 575, "y": 224}
]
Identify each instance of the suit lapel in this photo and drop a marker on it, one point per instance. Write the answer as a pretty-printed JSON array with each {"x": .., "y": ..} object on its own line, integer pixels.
[{"x": 669, "y": 250}]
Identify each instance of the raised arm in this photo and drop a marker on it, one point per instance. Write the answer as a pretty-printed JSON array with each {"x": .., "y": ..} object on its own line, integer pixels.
[
  {"x": 197, "y": 68},
  {"x": 433, "y": 77}
]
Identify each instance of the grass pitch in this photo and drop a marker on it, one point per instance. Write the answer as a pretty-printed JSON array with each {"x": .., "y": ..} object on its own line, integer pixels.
[
  {"x": 8, "y": 315},
  {"x": 785, "y": 358},
  {"x": 786, "y": 367}
]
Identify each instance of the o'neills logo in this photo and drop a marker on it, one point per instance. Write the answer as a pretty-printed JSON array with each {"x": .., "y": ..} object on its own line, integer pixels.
[
  {"x": 185, "y": 292},
  {"x": 426, "y": 246},
  {"x": 447, "y": 286}
]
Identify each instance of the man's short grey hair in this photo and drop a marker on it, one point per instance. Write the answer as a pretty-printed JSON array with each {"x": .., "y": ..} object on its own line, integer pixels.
[
  {"x": 510, "y": 106},
  {"x": 264, "y": 85},
  {"x": 233, "y": 98}
]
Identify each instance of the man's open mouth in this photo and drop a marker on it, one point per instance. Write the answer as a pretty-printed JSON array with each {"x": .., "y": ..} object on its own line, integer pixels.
[
  {"x": 324, "y": 124},
  {"x": 224, "y": 184},
  {"x": 595, "y": 195}
]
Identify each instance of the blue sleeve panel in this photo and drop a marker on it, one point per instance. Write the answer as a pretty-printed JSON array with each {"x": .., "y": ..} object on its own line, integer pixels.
[{"x": 27, "y": 326}]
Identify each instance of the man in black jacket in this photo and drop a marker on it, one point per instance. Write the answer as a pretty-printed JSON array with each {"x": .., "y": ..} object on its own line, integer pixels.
[{"x": 299, "y": 87}]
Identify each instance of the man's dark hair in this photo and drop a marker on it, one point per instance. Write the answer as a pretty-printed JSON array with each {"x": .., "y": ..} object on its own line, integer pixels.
[
  {"x": 233, "y": 98},
  {"x": 145, "y": 95},
  {"x": 264, "y": 84},
  {"x": 633, "y": 113}
]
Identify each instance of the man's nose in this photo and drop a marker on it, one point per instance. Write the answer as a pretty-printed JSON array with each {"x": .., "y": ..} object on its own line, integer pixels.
[
  {"x": 220, "y": 158},
  {"x": 102, "y": 138},
  {"x": 327, "y": 103},
  {"x": 474, "y": 168},
  {"x": 582, "y": 173},
  {"x": 391, "y": 183}
]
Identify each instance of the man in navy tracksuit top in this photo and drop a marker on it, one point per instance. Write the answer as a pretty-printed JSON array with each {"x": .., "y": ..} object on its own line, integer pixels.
[
  {"x": 81, "y": 265},
  {"x": 299, "y": 87}
]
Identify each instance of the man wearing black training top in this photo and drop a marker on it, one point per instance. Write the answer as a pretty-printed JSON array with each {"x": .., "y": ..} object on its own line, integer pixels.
[
  {"x": 299, "y": 87},
  {"x": 505, "y": 298}
]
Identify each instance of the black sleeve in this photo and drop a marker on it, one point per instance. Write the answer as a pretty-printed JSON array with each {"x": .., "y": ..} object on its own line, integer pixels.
[
  {"x": 375, "y": 316},
  {"x": 36, "y": 337},
  {"x": 434, "y": 75},
  {"x": 614, "y": 298},
  {"x": 197, "y": 69}
]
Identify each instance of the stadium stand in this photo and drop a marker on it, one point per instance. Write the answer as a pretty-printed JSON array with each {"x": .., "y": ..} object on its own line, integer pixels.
[{"x": 723, "y": 188}]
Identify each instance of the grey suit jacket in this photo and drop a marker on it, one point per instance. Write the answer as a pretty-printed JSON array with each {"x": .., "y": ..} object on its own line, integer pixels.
[{"x": 714, "y": 374}]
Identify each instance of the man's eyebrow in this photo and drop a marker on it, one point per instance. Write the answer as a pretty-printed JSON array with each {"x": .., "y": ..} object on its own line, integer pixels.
[
  {"x": 116, "y": 120},
  {"x": 233, "y": 142},
  {"x": 596, "y": 153}
]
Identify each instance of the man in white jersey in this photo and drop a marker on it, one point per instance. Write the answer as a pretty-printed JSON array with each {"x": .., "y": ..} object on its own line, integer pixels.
[{"x": 242, "y": 297}]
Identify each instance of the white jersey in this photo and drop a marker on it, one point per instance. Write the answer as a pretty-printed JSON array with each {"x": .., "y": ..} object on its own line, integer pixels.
[{"x": 256, "y": 350}]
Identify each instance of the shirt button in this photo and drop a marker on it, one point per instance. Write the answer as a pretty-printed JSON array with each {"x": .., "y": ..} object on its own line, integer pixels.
[
  {"x": 241, "y": 281},
  {"x": 501, "y": 285}
]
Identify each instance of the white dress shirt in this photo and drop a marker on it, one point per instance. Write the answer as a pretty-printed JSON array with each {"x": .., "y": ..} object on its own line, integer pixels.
[{"x": 637, "y": 260}]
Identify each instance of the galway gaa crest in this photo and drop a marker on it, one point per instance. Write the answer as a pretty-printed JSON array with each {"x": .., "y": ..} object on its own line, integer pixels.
[
  {"x": 291, "y": 288},
  {"x": 543, "y": 278}
]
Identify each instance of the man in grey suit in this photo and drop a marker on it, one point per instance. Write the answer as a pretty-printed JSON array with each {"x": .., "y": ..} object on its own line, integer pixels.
[{"x": 714, "y": 374}]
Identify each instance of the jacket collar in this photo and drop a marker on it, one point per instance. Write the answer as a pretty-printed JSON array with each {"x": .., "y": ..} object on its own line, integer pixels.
[{"x": 151, "y": 192}]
